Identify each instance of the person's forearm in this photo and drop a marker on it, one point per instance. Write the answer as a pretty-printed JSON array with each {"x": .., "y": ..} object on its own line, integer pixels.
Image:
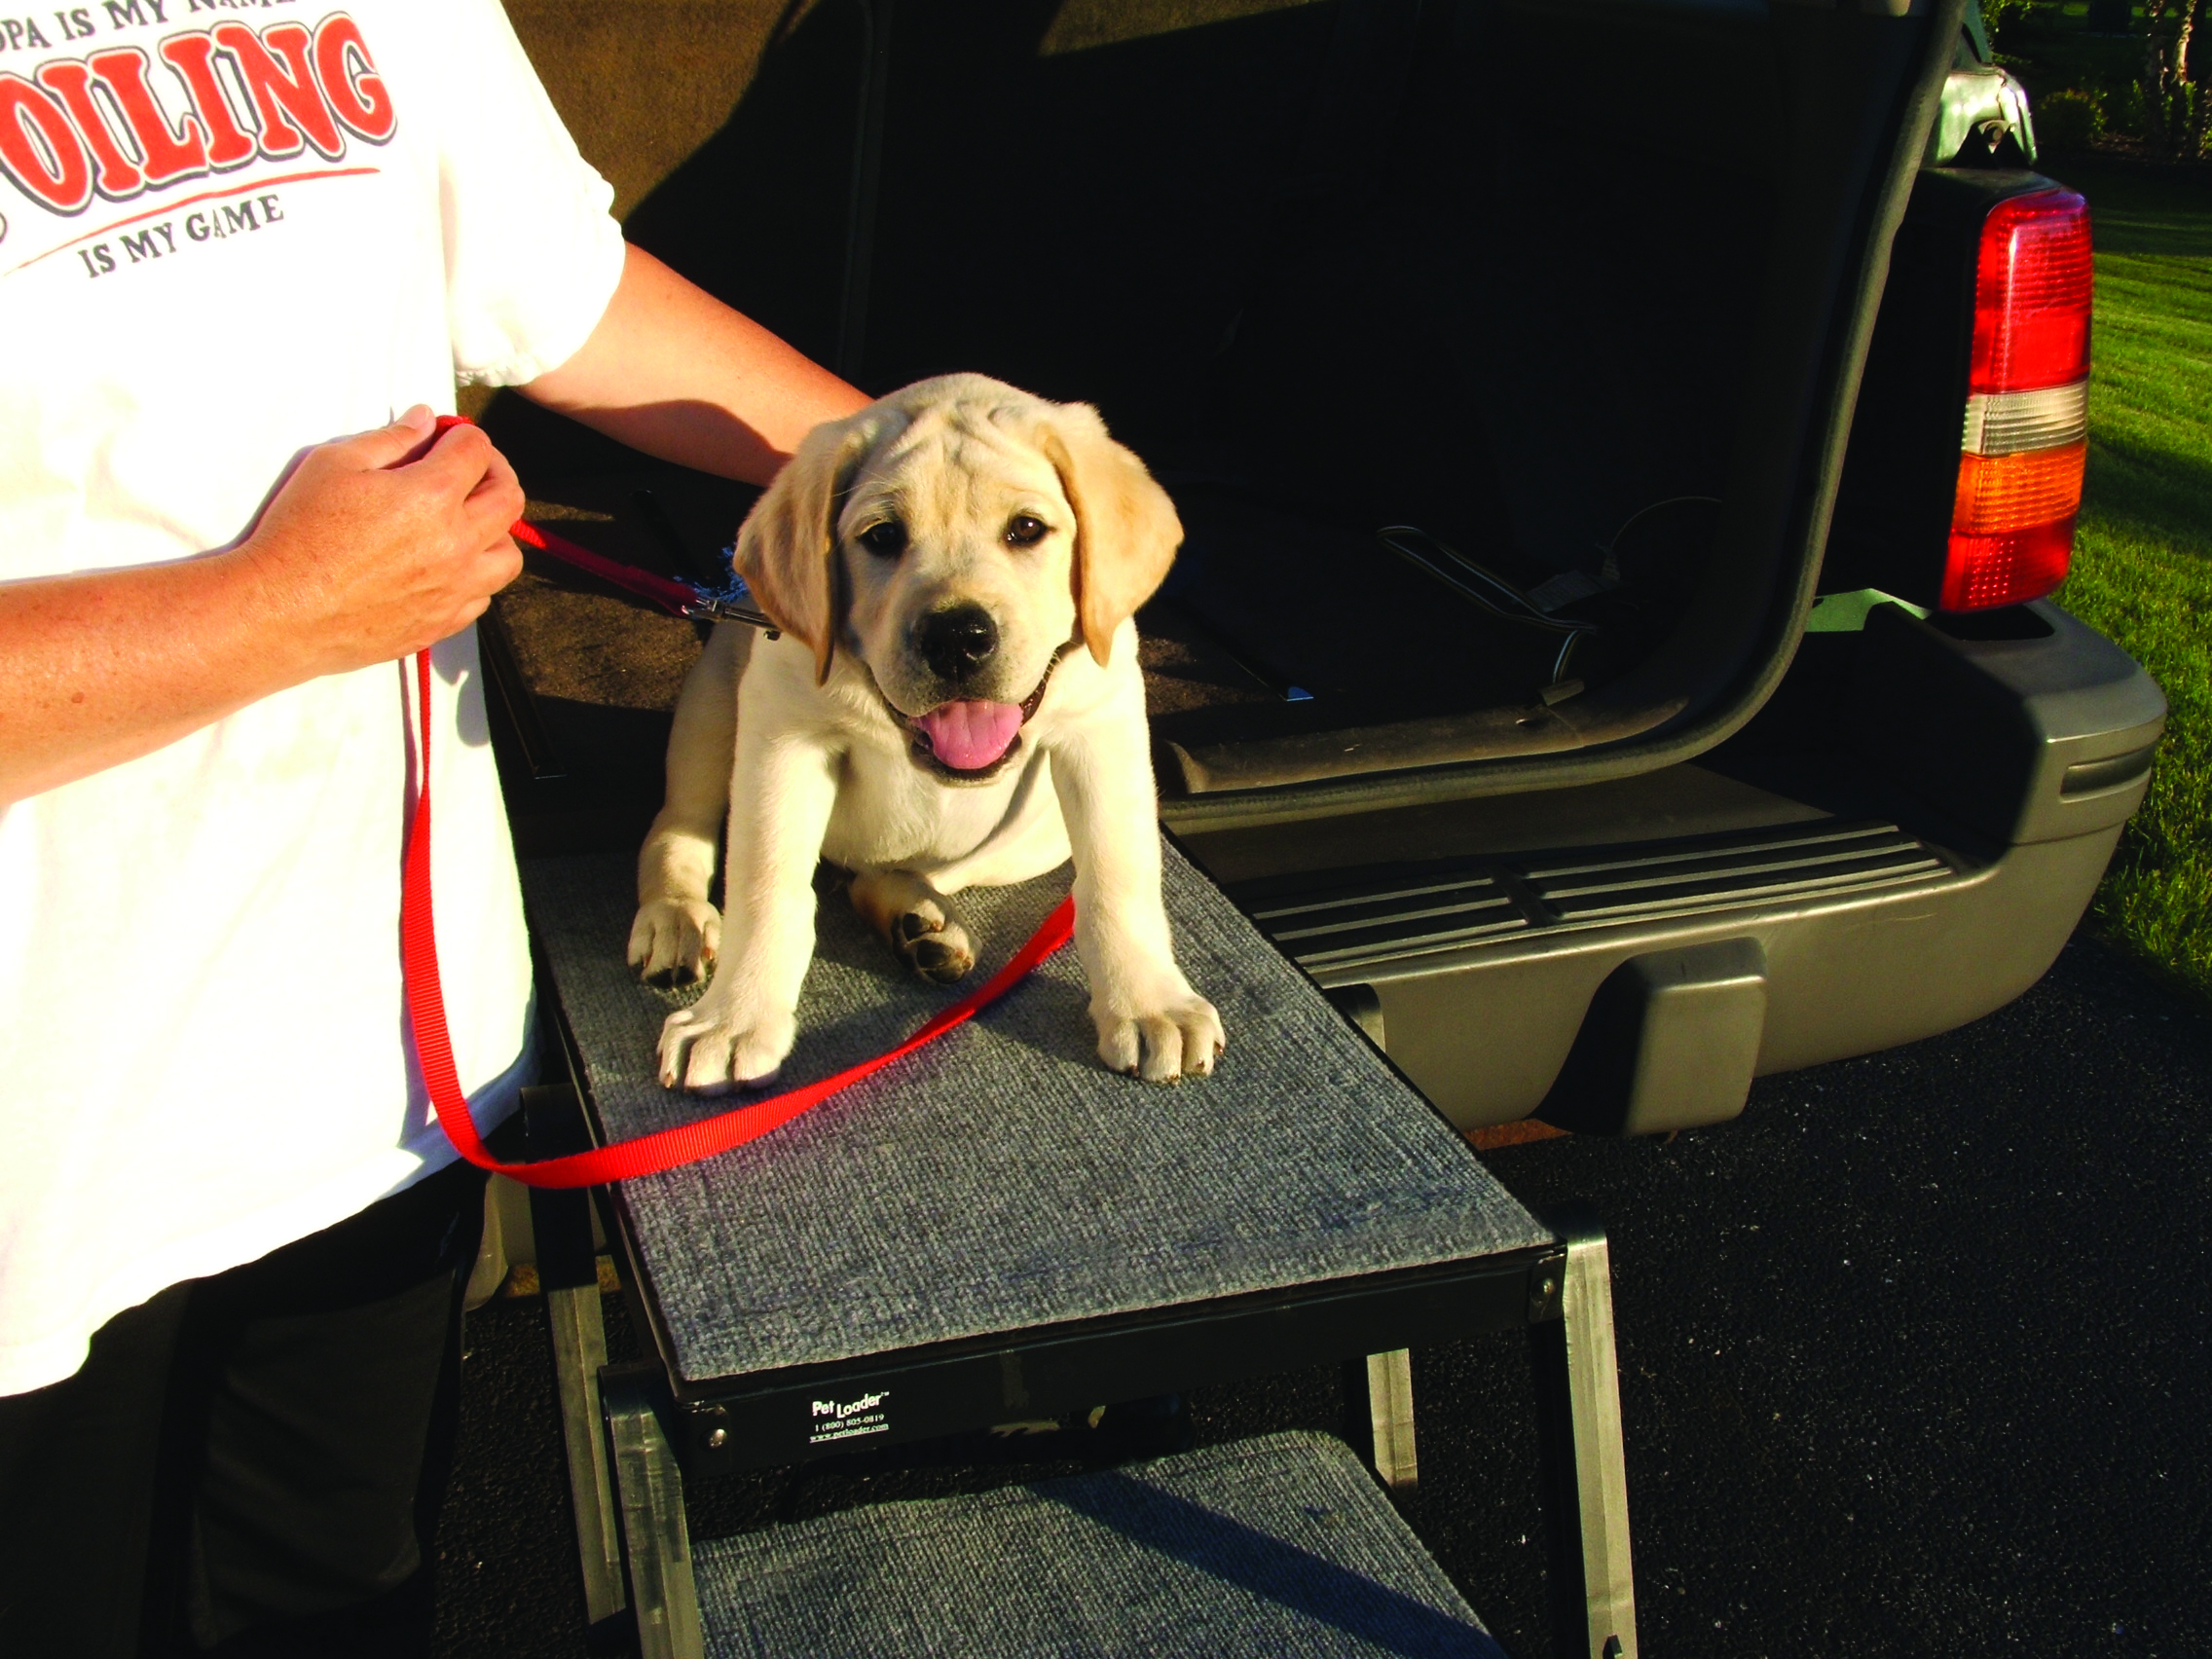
[
  {"x": 373, "y": 546},
  {"x": 673, "y": 372},
  {"x": 107, "y": 667}
]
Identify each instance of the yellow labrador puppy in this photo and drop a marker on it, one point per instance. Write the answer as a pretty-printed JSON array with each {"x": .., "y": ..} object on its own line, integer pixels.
[{"x": 954, "y": 699}]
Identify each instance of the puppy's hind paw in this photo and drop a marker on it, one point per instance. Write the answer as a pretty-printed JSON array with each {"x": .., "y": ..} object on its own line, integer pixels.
[
  {"x": 674, "y": 941},
  {"x": 1183, "y": 1034},
  {"x": 917, "y": 922},
  {"x": 933, "y": 944},
  {"x": 710, "y": 1051}
]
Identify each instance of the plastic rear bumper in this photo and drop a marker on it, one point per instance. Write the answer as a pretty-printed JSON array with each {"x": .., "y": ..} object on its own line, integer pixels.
[
  {"x": 1625, "y": 958},
  {"x": 1486, "y": 1032}
]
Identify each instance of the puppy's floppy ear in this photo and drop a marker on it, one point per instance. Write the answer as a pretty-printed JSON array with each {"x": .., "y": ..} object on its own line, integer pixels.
[
  {"x": 786, "y": 548},
  {"x": 1125, "y": 528}
]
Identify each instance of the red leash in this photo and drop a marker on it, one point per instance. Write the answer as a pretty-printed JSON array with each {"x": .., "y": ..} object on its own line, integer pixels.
[
  {"x": 668, "y": 1149},
  {"x": 675, "y": 598},
  {"x": 678, "y": 599}
]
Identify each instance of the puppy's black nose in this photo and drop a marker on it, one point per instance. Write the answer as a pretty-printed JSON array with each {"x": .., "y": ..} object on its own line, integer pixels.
[{"x": 957, "y": 641}]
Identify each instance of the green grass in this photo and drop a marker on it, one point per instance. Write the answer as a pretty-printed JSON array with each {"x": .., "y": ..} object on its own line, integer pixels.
[{"x": 2143, "y": 556}]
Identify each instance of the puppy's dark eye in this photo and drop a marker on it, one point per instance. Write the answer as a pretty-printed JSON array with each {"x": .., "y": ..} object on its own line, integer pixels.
[
  {"x": 887, "y": 539},
  {"x": 1026, "y": 529}
]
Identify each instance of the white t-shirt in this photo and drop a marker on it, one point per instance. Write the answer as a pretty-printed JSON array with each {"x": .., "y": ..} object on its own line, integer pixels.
[{"x": 231, "y": 233}]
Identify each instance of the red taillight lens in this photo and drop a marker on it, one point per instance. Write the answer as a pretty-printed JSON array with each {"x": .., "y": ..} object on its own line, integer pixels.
[
  {"x": 2023, "y": 445},
  {"x": 1986, "y": 572},
  {"x": 2031, "y": 302}
]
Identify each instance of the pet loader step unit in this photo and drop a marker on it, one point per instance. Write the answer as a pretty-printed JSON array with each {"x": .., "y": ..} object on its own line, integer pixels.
[{"x": 998, "y": 1229}]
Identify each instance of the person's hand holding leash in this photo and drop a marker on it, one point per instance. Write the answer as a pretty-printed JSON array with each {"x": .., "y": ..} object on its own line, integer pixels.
[
  {"x": 379, "y": 544},
  {"x": 373, "y": 547}
]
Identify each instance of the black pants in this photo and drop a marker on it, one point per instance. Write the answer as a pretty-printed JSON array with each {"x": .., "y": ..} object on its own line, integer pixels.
[{"x": 249, "y": 1465}]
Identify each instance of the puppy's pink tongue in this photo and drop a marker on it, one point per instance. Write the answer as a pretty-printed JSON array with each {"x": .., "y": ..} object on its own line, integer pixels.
[{"x": 970, "y": 736}]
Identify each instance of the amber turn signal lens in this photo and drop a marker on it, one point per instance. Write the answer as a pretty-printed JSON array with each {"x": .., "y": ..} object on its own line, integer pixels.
[{"x": 2001, "y": 493}]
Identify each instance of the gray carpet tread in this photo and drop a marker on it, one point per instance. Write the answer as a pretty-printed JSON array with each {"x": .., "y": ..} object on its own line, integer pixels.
[
  {"x": 1002, "y": 1179},
  {"x": 1277, "y": 1546}
]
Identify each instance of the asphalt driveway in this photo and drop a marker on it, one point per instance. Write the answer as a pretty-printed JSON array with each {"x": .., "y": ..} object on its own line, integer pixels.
[{"x": 1914, "y": 1361}]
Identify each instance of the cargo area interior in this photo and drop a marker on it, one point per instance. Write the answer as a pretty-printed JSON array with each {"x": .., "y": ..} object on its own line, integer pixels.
[{"x": 1484, "y": 446}]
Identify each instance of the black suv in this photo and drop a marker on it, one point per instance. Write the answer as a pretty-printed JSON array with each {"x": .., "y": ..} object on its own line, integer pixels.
[{"x": 1624, "y": 451}]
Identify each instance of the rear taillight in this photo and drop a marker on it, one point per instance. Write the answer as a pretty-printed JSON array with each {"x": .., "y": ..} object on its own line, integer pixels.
[{"x": 2027, "y": 408}]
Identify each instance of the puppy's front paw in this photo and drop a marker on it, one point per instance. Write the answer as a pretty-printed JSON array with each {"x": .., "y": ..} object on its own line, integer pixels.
[
  {"x": 1178, "y": 1032},
  {"x": 932, "y": 944},
  {"x": 710, "y": 1050},
  {"x": 674, "y": 941}
]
